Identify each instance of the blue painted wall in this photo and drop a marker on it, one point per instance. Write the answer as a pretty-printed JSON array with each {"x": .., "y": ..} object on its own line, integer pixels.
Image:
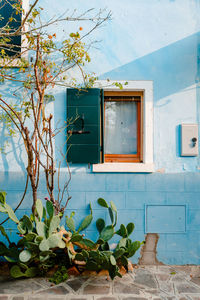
[{"x": 145, "y": 40}]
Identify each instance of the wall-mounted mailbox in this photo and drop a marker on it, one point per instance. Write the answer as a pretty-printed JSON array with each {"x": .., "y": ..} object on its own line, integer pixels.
[{"x": 189, "y": 139}]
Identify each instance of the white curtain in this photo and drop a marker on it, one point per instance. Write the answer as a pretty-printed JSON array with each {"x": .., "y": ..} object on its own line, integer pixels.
[{"x": 120, "y": 127}]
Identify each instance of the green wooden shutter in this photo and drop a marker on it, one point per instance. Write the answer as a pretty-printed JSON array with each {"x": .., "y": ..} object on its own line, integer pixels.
[
  {"x": 6, "y": 12},
  {"x": 84, "y": 114}
]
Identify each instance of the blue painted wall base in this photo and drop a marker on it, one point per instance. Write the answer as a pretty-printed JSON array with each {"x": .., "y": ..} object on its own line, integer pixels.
[{"x": 136, "y": 197}]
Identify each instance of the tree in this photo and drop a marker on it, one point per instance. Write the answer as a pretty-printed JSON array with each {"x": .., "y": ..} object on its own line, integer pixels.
[{"x": 51, "y": 61}]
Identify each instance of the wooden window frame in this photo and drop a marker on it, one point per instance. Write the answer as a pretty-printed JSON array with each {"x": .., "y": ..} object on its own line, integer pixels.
[{"x": 128, "y": 96}]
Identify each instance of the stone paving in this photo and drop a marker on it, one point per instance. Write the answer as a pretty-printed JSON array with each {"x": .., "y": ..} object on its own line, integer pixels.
[{"x": 145, "y": 282}]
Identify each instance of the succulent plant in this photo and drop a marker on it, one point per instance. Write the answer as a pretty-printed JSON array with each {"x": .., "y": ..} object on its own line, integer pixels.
[{"x": 43, "y": 240}]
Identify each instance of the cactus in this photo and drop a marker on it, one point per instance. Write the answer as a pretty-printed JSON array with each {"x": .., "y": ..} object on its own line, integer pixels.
[
  {"x": 100, "y": 224},
  {"x": 85, "y": 223},
  {"x": 25, "y": 256},
  {"x": 70, "y": 222},
  {"x": 41, "y": 229},
  {"x": 130, "y": 227},
  {"x": 43, "y": 239},
  {"x": 16, "y": 272},
  {"x": 25, "y": 225},
  {"x": 50, "y": 208},
  {"x": 3, "y": 197},
  {"x": 44, "y": 245},
  {"x": 3, "y": 232},
  {"x": 10, "y": 213},
  {"x": 55, "y": 240},
  {"x": 102, "y": 202},
  {"x": 39, "y": 209},
  {"x": 54, "y": 223},
  {"x": 76, "y": 238},
  {"x": 107, "y": 233}
]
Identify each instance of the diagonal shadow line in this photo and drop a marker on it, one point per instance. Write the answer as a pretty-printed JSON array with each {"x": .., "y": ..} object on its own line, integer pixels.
[{"x": 172, "y": 68}]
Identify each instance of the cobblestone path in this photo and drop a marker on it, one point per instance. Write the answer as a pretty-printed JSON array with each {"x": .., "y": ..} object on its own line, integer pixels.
[{"x": 149, "y": 282}]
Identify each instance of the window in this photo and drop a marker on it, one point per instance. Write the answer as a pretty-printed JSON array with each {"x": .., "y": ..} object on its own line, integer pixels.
[
  {"x": 123, "y": 126},
  {"x": 11, "y": 17},
  {"x": 113, "y": 128}
]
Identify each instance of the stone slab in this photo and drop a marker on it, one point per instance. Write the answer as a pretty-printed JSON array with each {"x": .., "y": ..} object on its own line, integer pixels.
[{"x": 95, "y": 289}]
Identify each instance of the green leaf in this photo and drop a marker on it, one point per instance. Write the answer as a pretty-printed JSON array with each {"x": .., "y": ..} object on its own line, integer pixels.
[
  {"x": 124, "y": 260},
  {"x": 85, "y": 254},
  {"x": 20, "y": 228},
  {"x": 25, "y": 256},
  {"x": 133, "y": 247},
  {"x": 130, "y": 227},
  {"x": 50, "y": 208},
  {"x": 38, "y": 239},
  {"x": 79, "y": 257},
  {"x": 41, "y": 229},
  {"x": 92, "y": 266},
  {"x": 76, "y": 237},
  {"x": 39, "y": 208},
  {"x": 115, "y": 219},
  {"x": 70, "y": 223},
  {"x": 107, "y": 233},
  {"x": 111, "y": 215},
  {"x": 3, "y": 231},
  {"x": 2, "y": 209},
  {"x": 112, "y": 205},
  {"x": 102, "y": 202},
  {"x": 44, "y": 216},
  {"x": 3, "y": 249},
  {"x": 123, "y": 231},
  {"x": 136, "y": 245},
  {"x": 3, "y": 197},
  {"x": 11, "y": 213},
  {"x": 100, "y": 224},
  {"x": 27, "y": 223},
  {"x": 30, "y": 236},
  {"x": 100, "y": 242},
  {"x": 44, "y": 245},
  {"x": 122, "y": 243},
  {"x": 112, "y": 260},
  {"x": 55, "y": 221},
  {"x": 31, "y": 272},
  {"x": 55, "y": 240},
  {"x": 32, "y": 246},
  {"x": 118, "y": 253},
  {"x": 11, "y": 259},
  {"x": 88, "y": 243},
  {"x": 85, "y": 223},
  {"x": 16, "y": 272}
]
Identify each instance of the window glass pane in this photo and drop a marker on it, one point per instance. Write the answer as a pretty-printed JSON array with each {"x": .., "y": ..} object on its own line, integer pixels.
[{"x": 120, "y": 127}]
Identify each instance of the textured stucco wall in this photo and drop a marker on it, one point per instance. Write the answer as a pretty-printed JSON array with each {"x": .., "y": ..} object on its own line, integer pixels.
[{"x": 146, "y": 40}]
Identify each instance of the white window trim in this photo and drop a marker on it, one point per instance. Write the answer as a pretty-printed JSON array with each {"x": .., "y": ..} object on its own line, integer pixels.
[
  {"x": 147, "y": 166},
  {"x": 17, "y": 63}
]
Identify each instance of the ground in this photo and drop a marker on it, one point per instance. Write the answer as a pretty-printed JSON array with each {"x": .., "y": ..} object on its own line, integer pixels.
[{"x": 149, "y": 282}]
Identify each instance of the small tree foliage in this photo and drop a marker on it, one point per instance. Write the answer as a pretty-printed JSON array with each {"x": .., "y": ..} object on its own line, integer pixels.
[{"x": 43, "y": 62}]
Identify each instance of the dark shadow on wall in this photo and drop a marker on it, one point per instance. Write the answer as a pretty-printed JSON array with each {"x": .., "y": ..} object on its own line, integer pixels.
[{"x": 171, "y": 68}]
